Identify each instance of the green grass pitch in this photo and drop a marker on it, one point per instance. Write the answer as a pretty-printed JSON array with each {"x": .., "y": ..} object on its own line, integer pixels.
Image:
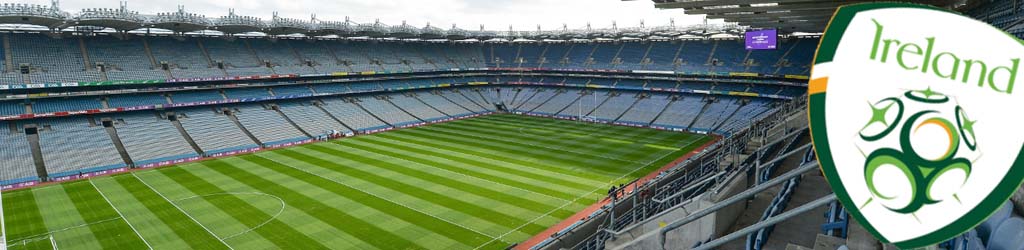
[{"x": 481, "y": 183}]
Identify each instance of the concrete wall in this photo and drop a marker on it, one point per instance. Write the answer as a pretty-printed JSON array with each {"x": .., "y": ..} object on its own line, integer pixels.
[
  {"x": 681, "y": 238},
  {"x": 726, "y": 217}
]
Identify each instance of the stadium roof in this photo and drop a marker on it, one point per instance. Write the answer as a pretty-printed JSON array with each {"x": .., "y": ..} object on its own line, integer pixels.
[
  {"x": 122, "y": 19},
  {"x": 788, "y": 16}
]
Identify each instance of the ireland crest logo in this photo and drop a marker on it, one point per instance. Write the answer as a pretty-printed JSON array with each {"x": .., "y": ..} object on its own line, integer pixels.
[{"x": 915, "y": 120}]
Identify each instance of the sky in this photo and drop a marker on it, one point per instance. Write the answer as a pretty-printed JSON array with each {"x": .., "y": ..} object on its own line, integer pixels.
[{"x": 467, "y": 14}]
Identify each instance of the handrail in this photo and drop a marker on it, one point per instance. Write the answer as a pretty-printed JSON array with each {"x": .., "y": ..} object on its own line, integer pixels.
[
  {"x": 722, "y": 204},
  {"x": 769, "y": 222}
]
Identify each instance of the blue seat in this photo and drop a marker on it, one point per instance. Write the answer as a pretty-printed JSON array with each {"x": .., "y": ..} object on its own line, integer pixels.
[
  {"x": 989, "y": 225},
  {"x": 1008, "y": 236}
]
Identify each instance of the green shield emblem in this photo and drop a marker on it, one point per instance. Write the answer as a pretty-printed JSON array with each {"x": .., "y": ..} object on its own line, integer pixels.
[{"x": 915, "y": 119}]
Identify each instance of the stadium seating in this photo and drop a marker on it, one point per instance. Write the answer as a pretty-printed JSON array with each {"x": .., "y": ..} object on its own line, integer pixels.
[
  {"x": 240, "y": 93},
  {"x": 18, "y": 165},
  {"x": 444, "y": 105},
  {"x": 11, "y": 108},
  {"x": 413, "y": 106},
  {"x": 213, "y": 132},
  {"x": 311, "y": 119},
  {"x": 51, "y": 60},
  {"x": 136, "y": 100},
  {"x": 267, "y": 125},
  {"x": 386, "y": 111},
  {"x": 75, "y": 145},
  {"x": 466, "y": 102},
  {"x": 716, "y": 112},
  {"x": 646, "y": 109},
  {"x": 196, "y": 96},
  {"x": 558, "y": 102},
  {"x": 681, "y": 113},
  {"x": 47, "y": 105},
  {"x": 535, "y": 97},
  {"x": 355, "y": 117},
  {"x": 614, "y": 106},
  {"x": 290, "y": 90},
  {"x": 586, "y": 104},
  {"x": 151, "y": 139}
]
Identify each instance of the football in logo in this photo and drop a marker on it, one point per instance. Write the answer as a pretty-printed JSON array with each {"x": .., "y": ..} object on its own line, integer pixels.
[
  {"x": 919, "y": 148},
  {"x": 915, "y": 119}
]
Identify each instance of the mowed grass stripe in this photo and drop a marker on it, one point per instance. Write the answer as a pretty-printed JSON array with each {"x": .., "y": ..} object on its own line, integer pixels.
[
  {"x": 640, "y": 152},
  {"x": 281, "y": 235},
  {"x": 561, "y": 129},
  {"x": 62, "y": 218},
  {"x": 546, "y": 178},
  {"x": 491, "y": 155},
  {"x": 309, "y": 224},
  {"x": 510, "y": 148},
  {"x": 194, "y": 235},
  {"x": 578, "y": 129},
  {"x": 564, "y": 148},
  {"x": 419, "y": 170},
  {"x": 347, "y": 221},
  {"x": 150, "y": 226},
  {"x": 593, "y": 151},
  {"x": 112, "y": 234},
  {"x": 476, "y": 210},
  {"x": 499, "y": 173},
  {"x": 420, "y": 228},
  {"x": 219, "y": 222},
  {"x": 21, "y": 215},
  {"x": 364, "y": 228},
  {"x": 618, "y": 135},
  {"x": 427, "y": 167},
  {"x": 453, "y": 216}
]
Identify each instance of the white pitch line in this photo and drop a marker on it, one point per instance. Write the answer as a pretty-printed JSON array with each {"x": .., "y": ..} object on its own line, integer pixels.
[
  {"x": 53, "y": 242},
  {"x": 46, "y": 234},
  {"x": 272, "y": 218},
  {"x": 182, "y": 211},
  {"x": 464, "y": 175},
  {"x": 383, "y": 198},
  {"x": 119, "y": 213},
  {"x": 574, "y": 200}
]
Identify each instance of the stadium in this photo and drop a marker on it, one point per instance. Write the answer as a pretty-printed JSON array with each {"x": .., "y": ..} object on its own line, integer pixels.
[{"x": 174, "y": 130}]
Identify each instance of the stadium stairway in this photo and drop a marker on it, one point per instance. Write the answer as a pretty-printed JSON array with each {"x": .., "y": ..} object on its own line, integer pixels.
[
  {"x": 388, "y": 100},
  {"x": 610, "y": 95},
  {"x": 37, "y": 152},
  {"x": 289, "y": 120},
  {"x": 638, "y": 97},
  {"x": 319, "y": 105},
  {"x": 574, "y": 100},
  {"x": 109, "y": 126},
  {"x": 727, "y": 118},
  {"x": 663, "y": 109},
  {"x": 231, "y": 116},
  {"x": 485, "y": 105},
  {"x": 414, "y": 96},
  {"x": 558, "y": 92},
  {"x": 355, "y": 102},
  {"x": 152, "y": 59},
  {"x": 524, "y": 101},
  {"x": 457, "y": 103},
  {"x": 703, "y": 109},
  {"x": 181, "y": 129}
]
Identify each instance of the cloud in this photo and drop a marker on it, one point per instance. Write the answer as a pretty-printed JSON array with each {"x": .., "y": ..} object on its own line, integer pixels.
[{"x": 468, "y": 14}]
